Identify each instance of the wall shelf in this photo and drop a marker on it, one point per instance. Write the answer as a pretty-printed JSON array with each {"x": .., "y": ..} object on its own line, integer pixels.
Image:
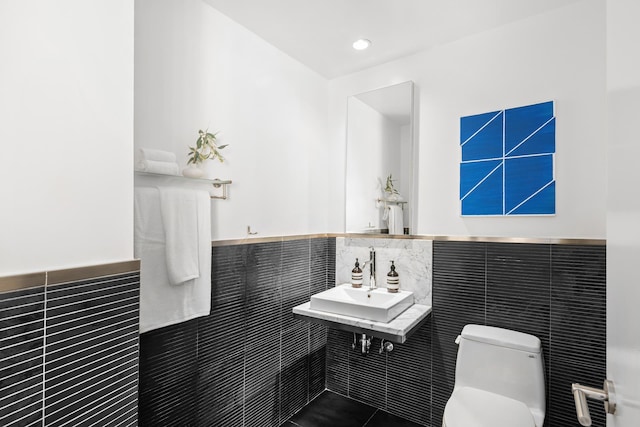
[
  {"x": 392, "y": 202},
  {"x": 216, "y": 183},
  {"x": 381, "y": 202}
]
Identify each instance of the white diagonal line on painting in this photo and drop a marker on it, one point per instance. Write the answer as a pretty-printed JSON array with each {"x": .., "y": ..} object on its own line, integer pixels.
[
  {"x": 525, "y": 156},
  {"x": 483, "y": 126},
  {"x": 481, "y": 181},
  {"x": 491, "y": 159},
  {"x": 527, "y": 138},
  {"x": 531, "y": 196}
]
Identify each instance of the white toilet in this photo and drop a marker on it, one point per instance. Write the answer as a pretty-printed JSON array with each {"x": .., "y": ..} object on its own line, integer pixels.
[{"x": 499, "y": 380}]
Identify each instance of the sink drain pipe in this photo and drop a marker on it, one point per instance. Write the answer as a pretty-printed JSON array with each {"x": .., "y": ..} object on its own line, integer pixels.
[{"x": 363, "y": 344}]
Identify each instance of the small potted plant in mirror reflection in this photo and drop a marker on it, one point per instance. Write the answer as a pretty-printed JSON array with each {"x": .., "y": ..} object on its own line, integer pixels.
[
  {"x": 206, "y": 149},
  {"x": 390, "y": 192}
]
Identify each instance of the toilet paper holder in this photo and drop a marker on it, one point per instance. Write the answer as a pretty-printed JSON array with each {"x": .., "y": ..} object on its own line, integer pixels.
[{"x": 580, "y": 394}]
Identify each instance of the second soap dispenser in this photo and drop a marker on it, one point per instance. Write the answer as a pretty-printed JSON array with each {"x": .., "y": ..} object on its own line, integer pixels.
[
  {"x": 393, "y": 280},
  {"x": 356, "y": 275}
]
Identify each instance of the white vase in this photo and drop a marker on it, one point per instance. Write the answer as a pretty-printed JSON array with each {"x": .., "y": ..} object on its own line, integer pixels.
[{"x": 192, "y": 171}]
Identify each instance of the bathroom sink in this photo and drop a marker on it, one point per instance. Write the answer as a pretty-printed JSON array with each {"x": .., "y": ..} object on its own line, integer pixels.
[{"x": 378, "y": 304}]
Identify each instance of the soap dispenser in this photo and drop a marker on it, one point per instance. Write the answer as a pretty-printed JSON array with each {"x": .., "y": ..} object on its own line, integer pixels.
[
  {"x": 393, "y": 280},
  {"x": 356, "y": 276}
]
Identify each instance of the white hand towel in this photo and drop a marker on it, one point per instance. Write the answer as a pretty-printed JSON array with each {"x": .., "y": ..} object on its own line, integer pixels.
[
  {"x": 156, "y": 155},
  {"x": 179, "y": 209},
  {"x": 395, "y": 220},
  {"x": 162, "y": 304},
  {"x": 200, "y": 301},
  {"x": 155, "y": 166}
]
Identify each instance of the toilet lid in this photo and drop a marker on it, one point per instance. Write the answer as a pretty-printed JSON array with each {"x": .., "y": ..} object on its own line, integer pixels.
[{"x": 470, "y": 407}]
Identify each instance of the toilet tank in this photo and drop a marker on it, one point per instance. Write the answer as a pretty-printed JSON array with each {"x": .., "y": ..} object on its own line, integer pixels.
[{"x": 504, "y": 362}]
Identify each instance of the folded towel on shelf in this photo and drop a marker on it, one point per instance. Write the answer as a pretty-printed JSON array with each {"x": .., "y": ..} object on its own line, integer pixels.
[
  {"x": 161, "y": 303},
  {"x": 155, "y": 166},
  {"x": 395, "y": 219},
  {"x": 156, "y": 155}
]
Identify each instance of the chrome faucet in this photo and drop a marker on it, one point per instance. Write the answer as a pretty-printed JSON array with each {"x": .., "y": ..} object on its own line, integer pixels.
[{"x": 372, "y": 268}]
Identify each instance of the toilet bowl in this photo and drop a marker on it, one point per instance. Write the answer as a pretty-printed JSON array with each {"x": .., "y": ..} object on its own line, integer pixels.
[{"x": 499, "y": 380}]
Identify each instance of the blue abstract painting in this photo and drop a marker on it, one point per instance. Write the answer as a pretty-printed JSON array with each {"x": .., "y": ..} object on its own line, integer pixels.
[{"x": 507, "y": 165}]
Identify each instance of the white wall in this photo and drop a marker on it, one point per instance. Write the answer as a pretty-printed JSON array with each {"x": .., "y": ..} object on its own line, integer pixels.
[
  {"x": 556, "y": 56},
  {"x": 196, "y": 68},
  {"x": 66, "y": 133},
  {"x": 623, "y": 209},
  {"x": 66, "y": 89}
]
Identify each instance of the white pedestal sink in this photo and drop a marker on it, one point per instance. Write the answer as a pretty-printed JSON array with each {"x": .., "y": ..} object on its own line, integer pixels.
[{"x": 377, "y": 305}]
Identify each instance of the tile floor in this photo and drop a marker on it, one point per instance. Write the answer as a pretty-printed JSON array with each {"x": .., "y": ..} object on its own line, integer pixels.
[{"x": 333, "y": 410}]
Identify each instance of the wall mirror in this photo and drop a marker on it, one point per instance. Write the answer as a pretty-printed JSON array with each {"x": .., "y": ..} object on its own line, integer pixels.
[{"x": 380, "y": 148}]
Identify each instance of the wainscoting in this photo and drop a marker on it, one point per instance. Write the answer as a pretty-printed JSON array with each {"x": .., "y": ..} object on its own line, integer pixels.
[
  {"x": 556, "y": 292},
  {"x": 69, "y": 339},
  {"x": 69, "y": 348},
  {"x": 249, "y": 363}
]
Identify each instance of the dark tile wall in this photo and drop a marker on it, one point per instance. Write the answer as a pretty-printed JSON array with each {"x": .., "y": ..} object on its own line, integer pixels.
[
  {"x": 91, "y": 357},
  {"x": 578, "y": 329},
  {"x": 556, "y": 292},
  {"x": 249, "y": 363},
  {"x": 398, "y": 382},
  {"x": 69, "y": 353},
  {"x": 21, "y": 356}
]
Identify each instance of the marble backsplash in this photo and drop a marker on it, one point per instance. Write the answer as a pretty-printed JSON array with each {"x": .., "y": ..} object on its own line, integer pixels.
[{"x": 412, "y": 258}]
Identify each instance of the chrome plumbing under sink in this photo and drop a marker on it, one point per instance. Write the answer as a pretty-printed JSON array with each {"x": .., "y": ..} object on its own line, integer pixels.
[{"x": 377, "y": 304}]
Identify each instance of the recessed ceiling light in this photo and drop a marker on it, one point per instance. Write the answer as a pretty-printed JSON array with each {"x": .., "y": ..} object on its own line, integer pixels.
[{"x": 361, "y": 44}]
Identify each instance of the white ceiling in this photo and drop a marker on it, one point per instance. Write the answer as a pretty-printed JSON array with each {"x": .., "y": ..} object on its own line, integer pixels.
[{"x": 319, "y": 33}]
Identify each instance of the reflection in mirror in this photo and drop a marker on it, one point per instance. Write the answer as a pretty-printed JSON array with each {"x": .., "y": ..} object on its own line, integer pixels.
[{"x": 379, "y": 158}]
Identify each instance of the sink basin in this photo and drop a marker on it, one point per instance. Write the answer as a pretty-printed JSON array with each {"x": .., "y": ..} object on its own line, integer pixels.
[{"x": 378, "y": 305}]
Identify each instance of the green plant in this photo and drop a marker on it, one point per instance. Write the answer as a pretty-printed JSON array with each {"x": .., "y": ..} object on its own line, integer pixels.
[
  {"x": 206, "y": 148},
  {"x": 389, "y": 188}
]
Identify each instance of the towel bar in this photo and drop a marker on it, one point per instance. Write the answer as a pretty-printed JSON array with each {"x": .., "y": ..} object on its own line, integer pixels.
[{"x": 217, "y": 183}]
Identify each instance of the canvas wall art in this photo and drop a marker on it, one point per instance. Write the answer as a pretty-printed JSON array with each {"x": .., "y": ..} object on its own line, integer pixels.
[{"x": 507, "y": 165}]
